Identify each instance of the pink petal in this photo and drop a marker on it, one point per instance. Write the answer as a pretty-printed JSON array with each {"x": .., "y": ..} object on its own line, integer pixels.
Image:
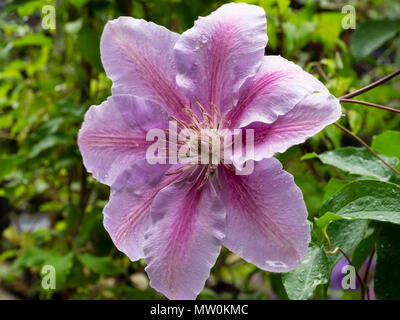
[
  {"x": 113, "y": 134},
  {"x": 266, "y": 218},
  {"x": 138, "y": 57},
  {"x": 127, "y": 214},
  {"x": 276, "y": 88},
  {"x": 220, "y": 52},
  {"x": 308, "y": 117},
  {"x": 185, "y": 240}
]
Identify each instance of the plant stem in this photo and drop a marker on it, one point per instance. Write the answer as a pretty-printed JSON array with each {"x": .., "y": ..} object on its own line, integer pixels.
[
  {"x": 362, "y": 284},
  {"x": 368, "y": 148},
  {"x": 322, "y": 72},
  {"x": 371, "y": 255},
  {"x": 372, "y": 85},
  {"x": 379, "y": 106}
]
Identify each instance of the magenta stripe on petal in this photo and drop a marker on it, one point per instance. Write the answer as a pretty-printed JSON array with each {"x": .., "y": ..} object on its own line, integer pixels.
[
  {"x": 185, "y": 240},
  {"x": 220, "y": 52},
  {"x": 113, "y": 135},
  {"x": 137, "y": 56},
  {"x": 276, "y": 88},
  {"x": 266, "y": 218},
  {"x": 127, "y": 214}
]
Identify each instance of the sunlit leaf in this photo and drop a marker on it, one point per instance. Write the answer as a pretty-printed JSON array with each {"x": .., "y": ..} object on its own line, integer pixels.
[
  {"x": 359, "y": 161},
  {"x": 366, "y": 199}
]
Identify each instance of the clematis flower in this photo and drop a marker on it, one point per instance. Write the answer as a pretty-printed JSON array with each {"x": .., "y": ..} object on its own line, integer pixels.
[{"x": 177, "y": 218}]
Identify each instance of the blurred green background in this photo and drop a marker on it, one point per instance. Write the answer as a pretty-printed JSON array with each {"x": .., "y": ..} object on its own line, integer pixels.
[{"x": 51, "y": 209}]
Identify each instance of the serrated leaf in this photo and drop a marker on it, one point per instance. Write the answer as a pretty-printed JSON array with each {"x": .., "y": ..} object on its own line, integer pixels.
[
  {"x": 358, "y": 161},
  {"x": 366, "y": 199},
  {"x": 313, "y": 271}
]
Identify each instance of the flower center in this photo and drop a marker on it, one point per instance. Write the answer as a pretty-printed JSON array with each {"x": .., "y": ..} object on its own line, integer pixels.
[{"x": 204, "y": 142}]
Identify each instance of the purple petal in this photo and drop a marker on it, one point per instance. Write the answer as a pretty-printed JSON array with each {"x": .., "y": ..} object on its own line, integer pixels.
[
  {"x": 266, "y": 218},
  {"x": 127, "y": 214},
  {"x": 220, "y": 52},
  {"x": 185, "y": 240},
  {"x": 113, "y": 134},
  {"x": 138, "y": 57},
  {"x": 276, "y": 88},
  {"x": 307, "y": 118}
]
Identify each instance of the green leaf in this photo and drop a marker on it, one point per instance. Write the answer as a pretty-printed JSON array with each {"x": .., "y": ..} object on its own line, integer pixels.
[
  {"x": 39, "y": 257},
  {"x": 328, "y": 28},
  {"x": 46, "y": 143},
  {"x": 89, "y": 46},
  {"x": 346, "y": 235},
  {"x": 355, "y": 120},
  {"x": 370, "y": 35},
  {"x": 6, "y": 121},
  {"x": 100, "y": 265},
  {"x": 31, "y": 257},
  {"x": 366, "y": 199},
  {"x": 33, "y": 39},
  {"x": 387, "y": 270},
  {"x": 363, "y": 250},
  {"x": 326, "y": 219},
  {"x": 73, "y": 27},
  {"x": 387, "y": 144},
  {"x": 359, "y": 161},
  {"x": 62, "y": 265},
  {"x": 313, "y": 271},
  {"x": 8, "y": 254},
  {"x": 8, "y": 165},
  {"x": 308, "y": 156},
  {"x": 29, "y": 7},
  {"x": 333, "y": 186}
]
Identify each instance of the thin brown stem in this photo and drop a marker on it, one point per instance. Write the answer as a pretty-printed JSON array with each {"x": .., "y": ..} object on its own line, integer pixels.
[
  {"x": 368, "y": 148},
  {"x": 362, "y": 284},
  {"x": 379, "y": 106},
  {"x": 372, "y": 85},
  {"x": 371, "y": 255},
  {"x": 322, "y": 72}
]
